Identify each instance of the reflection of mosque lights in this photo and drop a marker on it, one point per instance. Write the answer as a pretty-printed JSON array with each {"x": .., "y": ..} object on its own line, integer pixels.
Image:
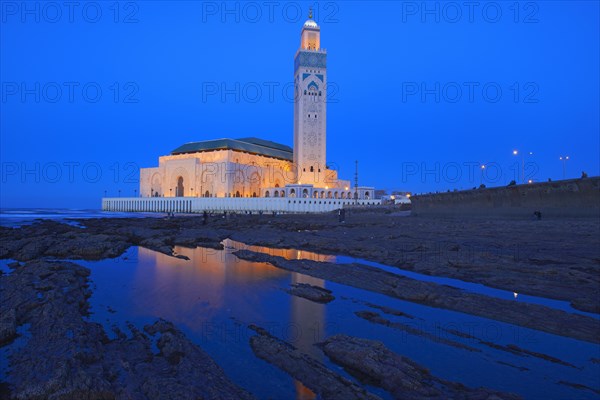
[{"x": 207, "y": 277}]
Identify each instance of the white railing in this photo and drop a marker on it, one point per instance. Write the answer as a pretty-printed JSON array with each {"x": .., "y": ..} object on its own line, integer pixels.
[{"x": 232, "y": 204}]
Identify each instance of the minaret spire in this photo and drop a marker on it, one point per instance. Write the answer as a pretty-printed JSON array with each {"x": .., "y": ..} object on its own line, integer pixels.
[
  {"x": 310, "y": 106},
  {"x": 310, "y": 14}
]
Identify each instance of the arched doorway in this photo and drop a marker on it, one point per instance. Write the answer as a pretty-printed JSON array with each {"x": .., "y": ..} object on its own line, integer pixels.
[
  {"x": 179, "y": 188},
  {"x": 267, "y": 194},
  {"x": 276, "y": 193},
  {"x": 237, "y": 194}
]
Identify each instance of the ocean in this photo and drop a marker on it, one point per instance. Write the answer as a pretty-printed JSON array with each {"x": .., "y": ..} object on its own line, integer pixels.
[{"x": 14, "y": 217}]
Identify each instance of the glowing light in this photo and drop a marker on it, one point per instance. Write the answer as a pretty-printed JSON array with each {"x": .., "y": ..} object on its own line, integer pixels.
[
  {"x": 530, "y": 181},
  {"x": 515, "y": 152},
  {"x": 515, "y": 294}
]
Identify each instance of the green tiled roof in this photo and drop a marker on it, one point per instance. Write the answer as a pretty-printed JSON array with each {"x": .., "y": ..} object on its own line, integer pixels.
[{"x": 248, "y": 145}]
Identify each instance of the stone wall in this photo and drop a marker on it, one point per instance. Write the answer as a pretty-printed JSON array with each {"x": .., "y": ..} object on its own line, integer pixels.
[{"x": 567, "y": 198}]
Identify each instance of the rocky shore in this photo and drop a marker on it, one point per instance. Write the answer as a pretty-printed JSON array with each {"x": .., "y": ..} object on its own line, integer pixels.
[
  {"x": 57, "y": 353},
  {"x": 67, "y": 357},
  {"x": 372, "y": 362},
  {"x": 373, "y": 279}
]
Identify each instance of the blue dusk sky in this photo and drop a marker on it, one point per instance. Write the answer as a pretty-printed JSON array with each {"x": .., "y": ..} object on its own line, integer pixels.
[{"x": 420, "y": 93}]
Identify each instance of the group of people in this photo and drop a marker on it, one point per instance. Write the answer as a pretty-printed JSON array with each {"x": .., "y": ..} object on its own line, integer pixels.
[{"x": 341, "y": 215}]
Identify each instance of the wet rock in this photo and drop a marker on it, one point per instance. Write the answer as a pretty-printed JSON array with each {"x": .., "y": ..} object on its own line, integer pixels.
[
  {"x": 390, "y": 311},
  {"x": 413, "y": 330},
  {"x": 579, "y": 386},
  {"x": 547, "y": 259},
  {"x": 67, "y": 357},
  {"x": 314, "y": 375},
  {"x": 374, "y": 363},
  {"x": 310, "y": 292},
  {"x": 8, "y": 326},
  {"x": 431, "y": 294}
]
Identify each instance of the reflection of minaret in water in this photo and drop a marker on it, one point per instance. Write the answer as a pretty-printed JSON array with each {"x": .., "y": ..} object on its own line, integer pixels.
[{"x": 308, "y": 319}]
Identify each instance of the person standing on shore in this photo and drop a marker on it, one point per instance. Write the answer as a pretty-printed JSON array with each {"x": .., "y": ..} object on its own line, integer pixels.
[{"x": 342, "y": 215}]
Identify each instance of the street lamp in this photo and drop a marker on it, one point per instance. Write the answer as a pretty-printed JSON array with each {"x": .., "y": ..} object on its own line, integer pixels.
[
  {"x": 564, "y": 160},
  {"x": 482, "y": 170},
  {"x": 516, "y": 152}
]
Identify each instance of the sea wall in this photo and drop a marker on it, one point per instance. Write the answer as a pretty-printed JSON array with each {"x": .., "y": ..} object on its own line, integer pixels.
[{"x": 567, "y": 198}]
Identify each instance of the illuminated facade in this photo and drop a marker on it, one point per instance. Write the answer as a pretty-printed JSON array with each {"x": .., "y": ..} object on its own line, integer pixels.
[{"x": 252, "y": 167}]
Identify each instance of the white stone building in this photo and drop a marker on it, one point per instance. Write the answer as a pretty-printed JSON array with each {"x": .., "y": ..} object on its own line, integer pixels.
[{"x": 252, "y": 167}]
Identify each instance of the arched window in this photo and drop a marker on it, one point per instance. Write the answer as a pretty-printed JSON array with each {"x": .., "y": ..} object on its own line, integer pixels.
[
  {"x": 329, "y": 195},
  {"x": 293, "y": 193},
  {"x": 276, "y": 194},
  {"x": 367, "y": 196},
  {"x": 254, "y": 194},
  {"x": 207, "y": 194},
  {"x": 305, "y": 192},
  {"x": 267, "y": 194},
  {"x": 237, "y": 194},
  {"x": 335, "y": 195}
]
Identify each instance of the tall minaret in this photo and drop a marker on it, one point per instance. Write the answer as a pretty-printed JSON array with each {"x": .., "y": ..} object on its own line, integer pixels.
[{"x": 310, "y": 83}]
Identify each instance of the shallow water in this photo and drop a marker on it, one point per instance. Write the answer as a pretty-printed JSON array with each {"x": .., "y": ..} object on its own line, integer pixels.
[
  {"x": 4, "y": 265},
  {"x": 214, "y": 296},
  {"x": 457, "y": 283}
]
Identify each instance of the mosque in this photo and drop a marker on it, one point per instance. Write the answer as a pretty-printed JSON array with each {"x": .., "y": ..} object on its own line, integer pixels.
[{"x": 253, "y": 167}]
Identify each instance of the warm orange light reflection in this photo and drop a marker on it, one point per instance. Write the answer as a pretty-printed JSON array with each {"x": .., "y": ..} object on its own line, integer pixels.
[{"x": 191, "y": 293}]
